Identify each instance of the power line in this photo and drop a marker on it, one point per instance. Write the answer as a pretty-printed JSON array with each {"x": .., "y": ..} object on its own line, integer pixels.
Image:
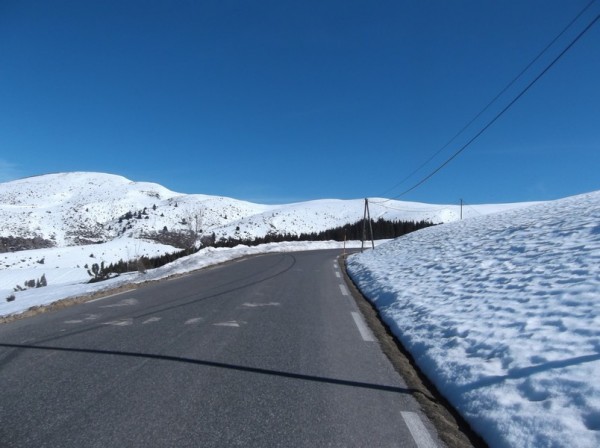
[
  {"x": 466, "y": 145},
  {"x": 423, "y": 210},
  {"x": 493, "y": 100},
  {"x": 472, "y": 208}
]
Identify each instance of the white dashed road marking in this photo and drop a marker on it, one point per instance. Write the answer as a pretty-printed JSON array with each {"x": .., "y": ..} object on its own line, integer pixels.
[
  {"x": 344, "y": 290},
  {"x": 417, "y": 430},
  {"x": 231, "y": 323},
  {"x": 338, "y": 275},
  {"x": 364, "y": 331},
  {"x": 194, "y": 320},
  {"x": 125, "y": 302},
  {"x": 150, "y": 320},
  {"x": 120, "y": 323},
  {"x": 257, "y": 305}
]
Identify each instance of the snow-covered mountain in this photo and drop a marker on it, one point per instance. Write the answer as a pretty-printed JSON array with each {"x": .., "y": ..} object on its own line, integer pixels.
[
  {"x": 82, "y": 208},
  {"x": 69, "y": 209}
]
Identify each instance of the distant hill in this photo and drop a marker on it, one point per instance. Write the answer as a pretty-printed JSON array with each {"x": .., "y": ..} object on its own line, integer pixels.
[{"x": 69, "y": 209}]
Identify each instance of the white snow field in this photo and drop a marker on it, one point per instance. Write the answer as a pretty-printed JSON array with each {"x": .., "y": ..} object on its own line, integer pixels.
[
  {"x": 68, "y": 208},
  {"x": 502, "y": 313}
]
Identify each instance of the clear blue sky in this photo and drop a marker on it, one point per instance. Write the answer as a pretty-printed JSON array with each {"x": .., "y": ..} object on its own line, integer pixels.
[{"x": 280, "y": 101}]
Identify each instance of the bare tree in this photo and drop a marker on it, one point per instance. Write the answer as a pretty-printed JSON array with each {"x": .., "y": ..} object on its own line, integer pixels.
[{"x": 194, "y": 224}]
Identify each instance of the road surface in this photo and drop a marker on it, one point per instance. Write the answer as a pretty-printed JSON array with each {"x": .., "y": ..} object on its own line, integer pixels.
[{"x": 269, "y": 351}]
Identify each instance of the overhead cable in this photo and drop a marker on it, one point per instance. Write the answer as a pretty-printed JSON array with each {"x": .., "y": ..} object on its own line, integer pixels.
[
  {"x": 493, "y": 120},
  {"x": 494, "y": 99}
]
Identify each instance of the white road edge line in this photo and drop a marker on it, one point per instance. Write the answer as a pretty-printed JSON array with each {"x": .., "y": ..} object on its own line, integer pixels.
[
  {"x": 344, "y": 290},
  {"x": 364, "y": 331},
  {"x": 108, "y": 297},
  {"x": 417, "y": 430}
]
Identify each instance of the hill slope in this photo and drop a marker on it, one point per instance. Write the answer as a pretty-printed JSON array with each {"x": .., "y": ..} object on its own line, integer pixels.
[
  {"x": 502, "y": 312},
  {"x": 69, "y": 209}
]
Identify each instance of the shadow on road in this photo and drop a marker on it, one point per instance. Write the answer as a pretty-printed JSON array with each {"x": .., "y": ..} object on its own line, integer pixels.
[{"x": 219, "y": 365}]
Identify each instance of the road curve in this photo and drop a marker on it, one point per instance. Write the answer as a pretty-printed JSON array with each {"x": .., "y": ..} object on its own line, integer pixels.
[{"x": 269, "y": 351}]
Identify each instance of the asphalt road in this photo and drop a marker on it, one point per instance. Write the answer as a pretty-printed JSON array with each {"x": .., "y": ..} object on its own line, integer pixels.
[{"x": 264, "y": 352}]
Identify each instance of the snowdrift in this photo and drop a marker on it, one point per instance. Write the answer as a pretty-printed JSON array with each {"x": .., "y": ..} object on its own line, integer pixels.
[{"x": 502, "y": 313}]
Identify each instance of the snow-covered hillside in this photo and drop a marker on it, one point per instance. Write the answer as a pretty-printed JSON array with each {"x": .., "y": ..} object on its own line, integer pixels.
[
  {"x": 502, "y": 312},
  {"x": 75, "y": 208},
  {"x": 78, "y": 208}
]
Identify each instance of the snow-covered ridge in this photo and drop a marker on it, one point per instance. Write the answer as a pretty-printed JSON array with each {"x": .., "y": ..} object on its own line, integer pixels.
[
  {"x": 71, "y": 208},
  {"x": 68, "y": 207},
  {"x": 502, "y": 312}
]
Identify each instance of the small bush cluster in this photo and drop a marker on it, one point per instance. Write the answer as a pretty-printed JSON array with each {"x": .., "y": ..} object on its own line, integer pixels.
[
  {"x": 15, "y": 244},
  {"x": 33, "y": 283},
  {"x": 181, "y": 239},
  {"x": 98, "y": 272},
  {"x": 102, "y": 272}
]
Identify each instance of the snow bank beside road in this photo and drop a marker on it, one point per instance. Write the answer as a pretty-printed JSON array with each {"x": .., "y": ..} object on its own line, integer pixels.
[{"x": 502, "y": 313}]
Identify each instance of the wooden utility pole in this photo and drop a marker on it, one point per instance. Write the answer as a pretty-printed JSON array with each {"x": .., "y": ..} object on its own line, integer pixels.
[
  {"x": 367, "y": 216},
  {"x": 461, "y": 205},
  {"x": 370, "y": 224}
]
